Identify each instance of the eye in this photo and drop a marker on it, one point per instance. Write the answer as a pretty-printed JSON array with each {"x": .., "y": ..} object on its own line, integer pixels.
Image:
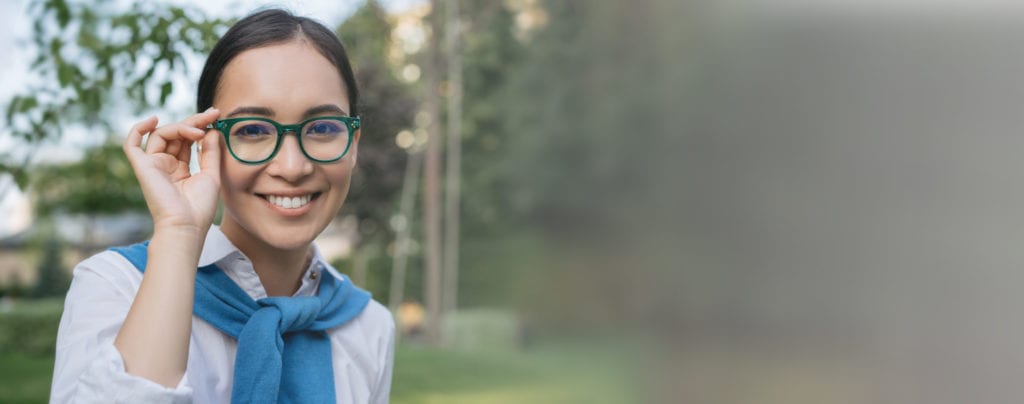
[
  {"x": 258, "y": 129},
  {"x": 324, "y": 128}
]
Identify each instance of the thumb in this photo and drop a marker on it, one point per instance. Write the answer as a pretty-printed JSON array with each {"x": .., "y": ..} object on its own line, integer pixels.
[{"x": 209, "y": 156}]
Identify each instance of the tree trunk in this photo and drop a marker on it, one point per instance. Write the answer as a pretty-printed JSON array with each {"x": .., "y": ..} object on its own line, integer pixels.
[
  {"x": 432, "y": 187},
  {"x": 453, "y": 158},
  {"x": 400, "y": 259}
]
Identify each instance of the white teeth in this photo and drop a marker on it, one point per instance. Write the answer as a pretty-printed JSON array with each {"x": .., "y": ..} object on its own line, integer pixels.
[{"x": 294, "y": 202}]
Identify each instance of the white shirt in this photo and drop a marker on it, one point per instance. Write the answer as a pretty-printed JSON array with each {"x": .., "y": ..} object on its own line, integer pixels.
[{"x": 89, "y": 369}]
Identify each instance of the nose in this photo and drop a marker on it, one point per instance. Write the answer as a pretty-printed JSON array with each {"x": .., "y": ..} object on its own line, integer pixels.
[{"x": 290, "y": 163}]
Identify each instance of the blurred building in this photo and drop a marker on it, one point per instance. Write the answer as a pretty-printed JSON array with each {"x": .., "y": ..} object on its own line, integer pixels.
[{"x": 81, "y": 236}]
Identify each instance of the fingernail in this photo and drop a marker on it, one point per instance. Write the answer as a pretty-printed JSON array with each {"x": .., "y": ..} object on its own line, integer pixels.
[{"x": 209, "y": 109}]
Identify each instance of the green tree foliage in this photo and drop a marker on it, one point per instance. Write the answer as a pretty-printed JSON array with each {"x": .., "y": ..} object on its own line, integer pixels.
[
  {"x": 490, "y": 253},
  {"x": 387, "y": 107},
  {"x": 489, "y": 53},
  {"x": 595, "y": 170},
  {"x": 610, "y": 88},
  {"x": 101, "y": 183},
  {"x": 94, "y": 59},
  {"x": 52, "y": 279}
]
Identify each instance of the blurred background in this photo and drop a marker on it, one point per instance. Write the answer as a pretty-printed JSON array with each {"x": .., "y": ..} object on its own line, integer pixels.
[{"x": 732, "y": 201}]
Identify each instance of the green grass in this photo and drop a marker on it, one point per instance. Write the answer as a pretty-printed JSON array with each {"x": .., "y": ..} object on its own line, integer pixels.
[
  {"x": 28, "y": 331},
  {"x": 552, "y": 374},
  {"x": 427, "y": 375},
  {"x": 25, "y": 378}
]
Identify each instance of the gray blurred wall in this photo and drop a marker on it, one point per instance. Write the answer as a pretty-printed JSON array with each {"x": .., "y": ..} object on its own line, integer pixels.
[{"x": 853, "y": 216}]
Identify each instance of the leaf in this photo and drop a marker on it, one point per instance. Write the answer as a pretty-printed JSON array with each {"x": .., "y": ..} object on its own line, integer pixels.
[
  {"x": 20, "y": 178},
  {"x": 64, "y": 74},
  {"x": 63, "y": 13},
  {"x": 28, "y": 104},
  {"x": 147, "y": 75},
  {"x": 55, "y": 45},
  {"x": 165, "y": 91},
  {"x": 13, "y": 107}
]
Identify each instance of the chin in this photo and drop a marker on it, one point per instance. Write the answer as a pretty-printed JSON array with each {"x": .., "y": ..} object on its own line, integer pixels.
[
  {"x": 289, "y": 237},
  {"x": 262, "y": 232},
  {"x": 285, "y": 243}
]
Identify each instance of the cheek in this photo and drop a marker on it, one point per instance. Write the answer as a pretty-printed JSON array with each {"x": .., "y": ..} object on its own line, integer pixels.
[
  {"x": 235, "y": 176},
  {"x": 340, "y": 177}
]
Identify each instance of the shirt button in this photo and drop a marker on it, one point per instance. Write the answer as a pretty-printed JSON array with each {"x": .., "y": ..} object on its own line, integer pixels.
[{"x": 312, "y": 275}]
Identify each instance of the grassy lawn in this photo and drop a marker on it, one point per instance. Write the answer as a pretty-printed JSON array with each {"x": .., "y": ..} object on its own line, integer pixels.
[
  {"x": 427, "y": 375},
  {"x": 25, "y": 378},
  {"x": 552, "y": 374}
]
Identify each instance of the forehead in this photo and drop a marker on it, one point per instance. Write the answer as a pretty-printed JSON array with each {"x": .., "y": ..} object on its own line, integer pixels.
[{"x": 287, "y": 78}]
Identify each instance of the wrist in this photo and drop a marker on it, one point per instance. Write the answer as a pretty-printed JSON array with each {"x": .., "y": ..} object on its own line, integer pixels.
[
  {"x": 174, "y": 249},
  {"x": 179, "y": 236}
]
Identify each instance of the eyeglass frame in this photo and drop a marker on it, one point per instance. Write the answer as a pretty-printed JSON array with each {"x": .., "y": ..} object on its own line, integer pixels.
[{"x": 224, "y": 127}]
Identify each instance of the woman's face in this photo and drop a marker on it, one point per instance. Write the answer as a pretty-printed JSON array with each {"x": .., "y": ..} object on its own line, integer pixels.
[{"x": 287, "y": 83}]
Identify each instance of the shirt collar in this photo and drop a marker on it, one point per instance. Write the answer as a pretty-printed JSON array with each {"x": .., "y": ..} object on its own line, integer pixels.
[{"x": 217, "y": 249}]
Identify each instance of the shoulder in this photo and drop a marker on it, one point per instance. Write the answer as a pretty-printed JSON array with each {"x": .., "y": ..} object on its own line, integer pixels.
[
  {"x": 374, "y": 327},
  {"x": 107, "y": 269},
  {"x": 374, "y": 311},
  {"x": 378, "y": 317},
  {"x": 375, "y": 321},
  {"x": 107, "y": 264}
]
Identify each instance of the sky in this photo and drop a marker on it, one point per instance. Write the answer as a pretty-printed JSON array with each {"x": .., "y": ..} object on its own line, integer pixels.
[{"x": 14, "y": 73}]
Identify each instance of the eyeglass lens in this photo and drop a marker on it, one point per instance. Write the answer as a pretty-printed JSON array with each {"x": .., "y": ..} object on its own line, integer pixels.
[{"x": 255, "y": 140}]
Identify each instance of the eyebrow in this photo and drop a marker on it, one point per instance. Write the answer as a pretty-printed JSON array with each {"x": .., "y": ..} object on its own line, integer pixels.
[
  {"x": 325, "y": 109},
  {"x": 264, "y": 111}
]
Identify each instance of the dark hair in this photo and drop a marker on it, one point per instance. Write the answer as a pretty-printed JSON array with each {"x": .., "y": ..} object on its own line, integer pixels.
[{"x": 269, "y": 27}]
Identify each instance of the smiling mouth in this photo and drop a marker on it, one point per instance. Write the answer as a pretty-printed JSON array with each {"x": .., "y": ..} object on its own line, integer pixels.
[{"x": 290, "y": 202}]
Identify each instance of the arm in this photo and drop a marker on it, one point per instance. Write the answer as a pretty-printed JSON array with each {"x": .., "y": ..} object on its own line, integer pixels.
[
  {"x": 88, "y": 369},
  {"x": 382, "y": 392},
  {"x": 153, "y": 341}
]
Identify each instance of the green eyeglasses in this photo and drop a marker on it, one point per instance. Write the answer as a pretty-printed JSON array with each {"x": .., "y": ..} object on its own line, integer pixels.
[{"x": 254, "y": 140}]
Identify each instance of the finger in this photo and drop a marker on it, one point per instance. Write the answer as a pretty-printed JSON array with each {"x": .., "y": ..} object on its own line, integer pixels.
[
  {"x": 173, "y": 147},
  {"x": 185, "y": 152},
  {"x": 133, "y": 143},
  {"x": 209, "y": 158},
  {"x": 160, "y": 139},
  {"x": 154, "y": 143},
  {"x": 138, "y": 130},
  {"x": 202, "y": 119}
]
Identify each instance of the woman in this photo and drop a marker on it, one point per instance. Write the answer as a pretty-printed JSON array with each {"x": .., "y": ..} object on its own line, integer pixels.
[{"x": 247, "y": 311}]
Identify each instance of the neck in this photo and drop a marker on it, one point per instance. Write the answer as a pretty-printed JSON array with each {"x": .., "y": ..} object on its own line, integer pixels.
[{"x": 280, "y": 270}]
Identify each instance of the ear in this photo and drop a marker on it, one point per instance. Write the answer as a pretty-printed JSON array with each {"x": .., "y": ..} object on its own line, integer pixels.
[{"x": 354, "y": 149}]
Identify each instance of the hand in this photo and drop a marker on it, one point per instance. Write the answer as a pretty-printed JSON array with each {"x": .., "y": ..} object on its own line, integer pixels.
[{"x": 176, "y": 199}]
